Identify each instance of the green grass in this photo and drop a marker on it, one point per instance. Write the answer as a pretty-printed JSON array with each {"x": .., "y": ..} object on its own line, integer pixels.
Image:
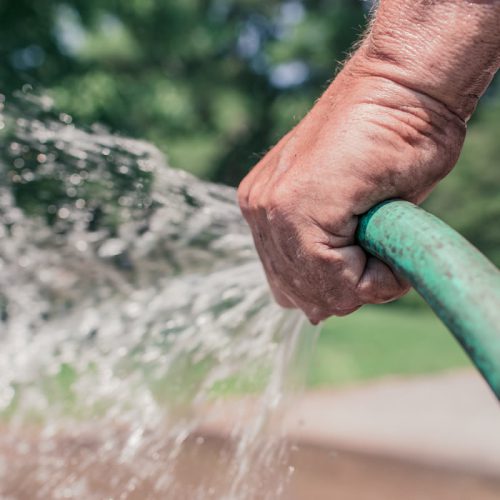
[
  {"x": 375, "y": 342},
  {"x": 383, "y": 340}
]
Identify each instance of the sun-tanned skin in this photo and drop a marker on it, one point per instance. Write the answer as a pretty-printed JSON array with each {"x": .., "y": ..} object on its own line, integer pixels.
[{"x": 391, "y": 125}]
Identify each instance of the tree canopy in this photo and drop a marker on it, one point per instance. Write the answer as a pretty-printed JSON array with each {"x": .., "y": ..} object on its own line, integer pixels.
[{"x": 210, "y": 82}]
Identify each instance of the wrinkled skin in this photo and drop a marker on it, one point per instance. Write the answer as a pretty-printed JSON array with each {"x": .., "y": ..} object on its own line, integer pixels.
[{"x": 366, "y": 140}]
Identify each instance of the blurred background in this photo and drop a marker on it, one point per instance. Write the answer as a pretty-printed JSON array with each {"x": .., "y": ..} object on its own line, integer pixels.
[{"x": 214, "y": 84}]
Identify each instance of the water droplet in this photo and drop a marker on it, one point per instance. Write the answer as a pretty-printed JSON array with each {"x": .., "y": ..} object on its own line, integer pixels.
[
  {"x": 81, "y": 245},
  {"x": 75, "y": 179},
  {"x": 19, "y": 163},
  {"x": 125, "y": 201},
  {"x": 24, "y": 261},
  {"x": 28, "y": 175},
  {"x": 65, "y": 118},
  {"x": 80, "y": 203},
  {"x": 15, "y": 147},
  {"x": 63, "y": 213},
  {"x": 112, "y": 247}
]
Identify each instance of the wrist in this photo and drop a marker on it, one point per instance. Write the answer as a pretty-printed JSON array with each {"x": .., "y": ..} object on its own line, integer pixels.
[
  {"x": 418, "y": 136},
  {"x": 369, "y": 87}
]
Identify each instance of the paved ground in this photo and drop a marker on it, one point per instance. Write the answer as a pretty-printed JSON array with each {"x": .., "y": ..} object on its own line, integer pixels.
[
  {"x": 449, "y": 420},
  {"x": 203, "y": 473}
]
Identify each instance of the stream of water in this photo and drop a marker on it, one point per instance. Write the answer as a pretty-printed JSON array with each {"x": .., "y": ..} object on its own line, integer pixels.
[{"x": 132, "y": 304}]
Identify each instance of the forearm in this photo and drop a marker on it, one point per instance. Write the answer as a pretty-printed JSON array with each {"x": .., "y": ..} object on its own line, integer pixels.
[{"x": 448, "y": 50}]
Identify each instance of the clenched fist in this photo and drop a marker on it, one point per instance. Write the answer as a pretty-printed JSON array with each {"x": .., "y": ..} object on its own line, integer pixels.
[
  {"x": 368, "y": 139},
  {"x": 391, "y": 125}
]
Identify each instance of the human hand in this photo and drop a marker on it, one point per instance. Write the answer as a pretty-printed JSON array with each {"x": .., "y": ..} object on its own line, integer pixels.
[{"x": 367, "y": 139}]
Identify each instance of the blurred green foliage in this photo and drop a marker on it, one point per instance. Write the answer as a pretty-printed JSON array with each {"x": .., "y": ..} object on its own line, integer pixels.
[
  {"x": 214, "y": 83},
  {"x": 210, "y": 82},
  {"x": 380, "y": 341}
]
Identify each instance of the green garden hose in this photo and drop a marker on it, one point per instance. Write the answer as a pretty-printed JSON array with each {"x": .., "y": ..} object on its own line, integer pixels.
[{"x": 459, "y": 283}]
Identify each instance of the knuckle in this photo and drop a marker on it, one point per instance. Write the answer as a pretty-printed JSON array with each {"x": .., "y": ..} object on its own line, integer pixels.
[
  {"x": 256, "y": 201},
  {"x": 281, "y": 193},
  {"x": 337, "y": 263},
  {"x": 280, "y": 205},
  {"x": 243, "y": 196}
]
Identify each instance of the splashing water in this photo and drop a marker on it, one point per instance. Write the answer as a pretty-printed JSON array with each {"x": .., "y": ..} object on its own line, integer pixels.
[{"x": 130, "y": 297}]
